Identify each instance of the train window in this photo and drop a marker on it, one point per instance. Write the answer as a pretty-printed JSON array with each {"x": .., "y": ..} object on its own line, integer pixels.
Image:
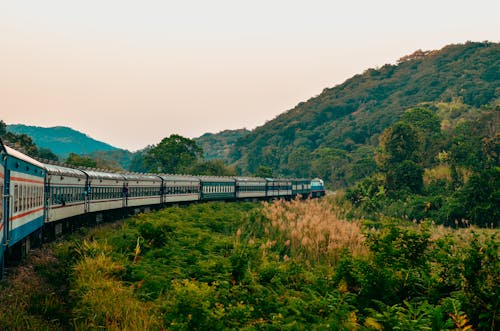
[
  {"x": 23, "y": 198},
  {"x": 16, "y": 198},
  {"x": 27, "y": 191},
  {"x": 31, "y": 193}
]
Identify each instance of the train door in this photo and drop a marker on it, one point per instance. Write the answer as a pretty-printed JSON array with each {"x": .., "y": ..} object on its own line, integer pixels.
[
  {"x": 125, "y": 195},
  {"x": 88, "y": 195}
]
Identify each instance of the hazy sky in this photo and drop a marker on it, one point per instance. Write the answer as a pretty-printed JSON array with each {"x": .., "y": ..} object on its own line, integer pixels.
[{"x": 132, "y": 72}]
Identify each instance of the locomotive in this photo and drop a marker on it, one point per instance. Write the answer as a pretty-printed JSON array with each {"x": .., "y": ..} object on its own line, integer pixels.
[{"x": 39, "y": 201}]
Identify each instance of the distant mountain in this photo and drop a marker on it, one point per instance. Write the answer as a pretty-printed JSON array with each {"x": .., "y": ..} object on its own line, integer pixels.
[
  {"x": 334, "y": 135},
  {"x": 62, "y": 140},
  {"x": 218, "y": 145}
]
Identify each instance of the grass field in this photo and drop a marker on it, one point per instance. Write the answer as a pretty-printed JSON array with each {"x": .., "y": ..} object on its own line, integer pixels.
[{"x": 295, "y": 265}]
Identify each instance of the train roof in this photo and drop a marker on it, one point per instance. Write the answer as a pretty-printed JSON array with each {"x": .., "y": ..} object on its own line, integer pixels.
[
  {"x": 168, "y": 177},
  {"x": 220, "y": 179},
  {"x": 278, "y": 179},
  {"x": 53, "y": 169},
  {"x": 250, "y": 179},
  {"x": 138, "y": 176},
  {"x": 18, "y": 155},
  {"x": 103, "y": 175}
]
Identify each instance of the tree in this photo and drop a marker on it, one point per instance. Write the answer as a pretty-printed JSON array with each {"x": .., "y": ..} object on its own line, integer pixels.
[
  {"x": 264, "y": 172},
  {"x": 398, "y": 143},
  {"x": 137, "y": 164},
  {"x": 174, "y": 154},
  {"x": 3, "y": 128},
  {"x": 47, "y": 154},
  {"x": 80, "y": 161},
  {"x": 215, "y": 167},
  {"x": 405, "y": 175},
  {"x": 428, "y": 127},
  {"x": 398, "y": 158}
]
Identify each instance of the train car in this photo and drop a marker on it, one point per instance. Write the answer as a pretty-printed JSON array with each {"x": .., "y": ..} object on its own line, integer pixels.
[
  {"x": 317, "y": 188},
  {"x": 180, "y": 188},
  {"x": 278, "y": 188},
  {"x": 301, "y": 186},
  {"x": 142, "y": 190},
  {"x": 65, "y": 192},
  {"x": 105, "y": 191},
  {"x": 23, "y": 200},
  {"x": 250, "y": 187},
  {"x": 217, "y": 188},
  {"x": 2, "y": 220}
]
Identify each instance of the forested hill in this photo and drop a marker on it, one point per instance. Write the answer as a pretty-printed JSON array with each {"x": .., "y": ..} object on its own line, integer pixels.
[
  {"x": 334, "y": 134},
  {"x": 218, "y": 145},
  {"x": 61, "y": 140}
]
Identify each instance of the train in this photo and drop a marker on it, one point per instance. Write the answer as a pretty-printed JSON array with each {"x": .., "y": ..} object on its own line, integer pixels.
[{"x": 39, "y": 201}]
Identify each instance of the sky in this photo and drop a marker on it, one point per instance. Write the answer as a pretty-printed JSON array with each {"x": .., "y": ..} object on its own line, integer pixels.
[{"x": 130, "y": 73}]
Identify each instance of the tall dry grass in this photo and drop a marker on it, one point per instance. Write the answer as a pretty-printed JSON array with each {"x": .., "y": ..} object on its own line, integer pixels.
[
  {"x": 312, "y": 231},
  {"x": 102, "y": 301}
]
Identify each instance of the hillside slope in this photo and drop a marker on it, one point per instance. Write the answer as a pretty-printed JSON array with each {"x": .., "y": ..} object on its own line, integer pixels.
[
  {"x": 218, "y": 145},
  {"x": 334, "y": 134},
  {"x": 61, "y": 140}
]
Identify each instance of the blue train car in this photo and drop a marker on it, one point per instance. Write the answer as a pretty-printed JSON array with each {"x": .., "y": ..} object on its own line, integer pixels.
[
  {"x": 65, "y": 190},
  {"x": 301, "y": 186},
  {"x": 217, "y": 188},
  {"x": 23, "y": 199},
  {"x": 317, "y": 188},
  {"x": 2, "y": 220},
  {"x": 279, "y": 188},
  {"x": 250, "y": 188},
  {"x": 180, "y": 188}
]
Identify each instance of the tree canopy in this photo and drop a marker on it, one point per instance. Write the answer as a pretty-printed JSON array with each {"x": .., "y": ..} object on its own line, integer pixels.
[{"x": 174, "y": 154}]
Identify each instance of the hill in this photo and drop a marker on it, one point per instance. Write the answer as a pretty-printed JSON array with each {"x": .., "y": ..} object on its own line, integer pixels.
[
  {"x": 334, "y": 135},
  {"x": 62, "y": 140},
  {"x": 218, "y": 145}
]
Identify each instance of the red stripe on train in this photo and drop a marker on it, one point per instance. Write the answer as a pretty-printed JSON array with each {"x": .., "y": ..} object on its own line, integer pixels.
[
  {"x": 21, "y": 179},
  {"x": 13, "y": 218}
]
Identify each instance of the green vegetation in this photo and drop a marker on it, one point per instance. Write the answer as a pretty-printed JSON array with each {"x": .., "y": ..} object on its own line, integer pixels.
[
  {"x": 416, "y": 144},
  {"x": 61, "y": 140},
  {"x": 278, "y": 266},
  {"x": 24, "y": 143},
  {"x": 460, "y": 185},
  {"x": 335, "y": 135},
  {"x": 218, "y": 145},
  {"x": 179, "y": 155}
]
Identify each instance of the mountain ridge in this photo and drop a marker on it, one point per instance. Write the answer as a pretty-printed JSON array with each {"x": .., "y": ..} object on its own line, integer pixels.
[
  {"x": 336, "y": 131},
  {"x": 62, "y": 140}
]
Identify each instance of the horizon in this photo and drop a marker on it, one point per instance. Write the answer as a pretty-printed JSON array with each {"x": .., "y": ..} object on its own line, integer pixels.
[{"x": 129, "y": 74}]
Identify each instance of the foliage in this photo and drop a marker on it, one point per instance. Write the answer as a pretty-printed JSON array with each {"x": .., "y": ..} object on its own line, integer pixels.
[
  {"x": 80, "y": 161},
  {"x": 47, "y": 154},
  {"x": 222, "y": 266},
  {"x": 311, "y": 232},
  {"x": 137, "y": 162},
  {"x": 24, "y": 143},
  {"x": 174, "y": 154},
  {"x": 264, "y": 172},
  {"x": 213, "y": 167},
  {"x": 455, "y": 83},
  {"x": 450, "y": 178},
  {"x": 61, "y": 140},
  {"x": 218, "y": 145}
]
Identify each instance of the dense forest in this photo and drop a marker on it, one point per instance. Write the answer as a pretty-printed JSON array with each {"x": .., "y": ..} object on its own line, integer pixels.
[
  {"x": 298, "y": 265},
  {"x": 218, "y": 145},
  {"x": 335, "y": 135}
]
